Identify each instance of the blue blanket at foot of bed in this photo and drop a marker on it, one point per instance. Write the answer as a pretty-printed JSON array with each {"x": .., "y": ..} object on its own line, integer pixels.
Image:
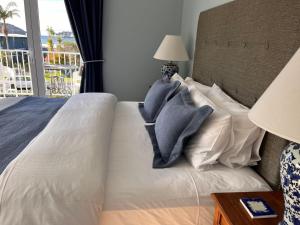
[{"x": 21, "y": 122}]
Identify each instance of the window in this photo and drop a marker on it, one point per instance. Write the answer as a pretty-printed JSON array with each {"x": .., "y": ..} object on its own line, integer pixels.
[{"x": 38, "y": 52}]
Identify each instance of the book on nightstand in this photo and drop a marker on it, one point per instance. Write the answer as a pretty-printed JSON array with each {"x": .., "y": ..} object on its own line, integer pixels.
[{"x": 257, "y": 208}]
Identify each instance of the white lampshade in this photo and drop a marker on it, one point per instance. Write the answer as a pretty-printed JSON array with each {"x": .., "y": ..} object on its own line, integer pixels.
[
  {"x": 172, "y": 49},
  {"x": 278, "y": 109}
]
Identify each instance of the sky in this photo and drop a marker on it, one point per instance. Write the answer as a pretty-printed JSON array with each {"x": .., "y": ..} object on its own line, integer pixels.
[{"x": 51, "y": 12}]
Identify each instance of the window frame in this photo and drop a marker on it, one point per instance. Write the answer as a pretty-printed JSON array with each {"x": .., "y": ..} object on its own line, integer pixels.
[{"x": 34, "y": 47}]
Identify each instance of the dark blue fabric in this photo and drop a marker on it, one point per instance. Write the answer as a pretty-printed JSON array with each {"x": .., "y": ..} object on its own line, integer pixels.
[
  {"x": 86, "y": 22},
  {"x": 21, "y": 122},
  {"x": 158, "y": 95},
  {"x": 176, "y": 123}
]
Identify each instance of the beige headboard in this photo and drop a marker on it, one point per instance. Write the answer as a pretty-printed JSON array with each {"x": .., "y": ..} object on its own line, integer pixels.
[{"x": 242, "y": 46}]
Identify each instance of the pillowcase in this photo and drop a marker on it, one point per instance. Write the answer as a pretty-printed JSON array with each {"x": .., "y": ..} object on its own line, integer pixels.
[
  {"x": 176, "y": 76},
  {"x": 158, "y": 95},
  {"x": 177, "y": 121},
  {"x": 201, "y": 87},
  {"x": 183, "y": 84},
  {"x": 246, "y": 136},
  {"x": 212, "y": 139},
  {"x": 219, "y": 95}
]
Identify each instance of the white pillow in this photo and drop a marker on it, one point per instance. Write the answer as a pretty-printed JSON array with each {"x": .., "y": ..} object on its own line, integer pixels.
[
  {"x": 201, "y": 87},
  {"x": 176, "y": 77},
  {"x": 207, "y": 145},
  {"x": 246, "y": 139}
]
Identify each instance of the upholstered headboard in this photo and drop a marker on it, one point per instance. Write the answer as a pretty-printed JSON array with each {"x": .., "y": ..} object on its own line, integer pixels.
[{"x": 242, "y": 46}]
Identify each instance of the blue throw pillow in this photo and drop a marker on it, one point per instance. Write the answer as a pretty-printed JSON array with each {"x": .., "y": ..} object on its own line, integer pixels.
[
  {"x": 176, "y": 123},
  {"x": 158, "y": 95}
]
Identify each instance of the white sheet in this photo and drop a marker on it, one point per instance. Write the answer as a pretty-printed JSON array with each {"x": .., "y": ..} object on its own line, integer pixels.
[
  {"x": 59, "y": 178},
  {"x": 133, "y": 188}
]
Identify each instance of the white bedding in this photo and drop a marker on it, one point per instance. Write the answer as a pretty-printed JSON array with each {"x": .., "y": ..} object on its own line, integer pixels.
[
  {"x": 77, "y": 172},
  {"x": 134, "y": 187},
  {"x": 59, "y": 178}
]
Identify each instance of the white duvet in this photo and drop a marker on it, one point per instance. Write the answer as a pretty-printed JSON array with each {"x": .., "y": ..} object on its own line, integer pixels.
[{"x": 59, "y": 178}]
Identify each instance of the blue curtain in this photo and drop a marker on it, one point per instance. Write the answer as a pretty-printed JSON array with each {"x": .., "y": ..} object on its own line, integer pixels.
[{"x": 86, "y": 22}]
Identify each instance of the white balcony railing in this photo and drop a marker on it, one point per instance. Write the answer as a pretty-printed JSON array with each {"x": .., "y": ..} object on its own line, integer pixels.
[{"x": 60, "y": 70}]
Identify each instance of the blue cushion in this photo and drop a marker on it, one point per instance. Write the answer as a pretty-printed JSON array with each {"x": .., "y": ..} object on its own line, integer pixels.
[
  {"x": 176, "y": 123},
  {"x": 158, "y": 95}
]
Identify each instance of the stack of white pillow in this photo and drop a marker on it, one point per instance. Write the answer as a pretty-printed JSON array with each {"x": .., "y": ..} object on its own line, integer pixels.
[{"x": 228, "y": 136}]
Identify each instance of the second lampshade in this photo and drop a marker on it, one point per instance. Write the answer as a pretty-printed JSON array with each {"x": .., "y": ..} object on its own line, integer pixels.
[{"x": 171, "y": 49}]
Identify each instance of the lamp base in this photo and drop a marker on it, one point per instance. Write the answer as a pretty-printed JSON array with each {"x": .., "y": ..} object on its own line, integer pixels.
[
  {"x": 290, "y": 181},
  {"x": 169, "y": 69}
]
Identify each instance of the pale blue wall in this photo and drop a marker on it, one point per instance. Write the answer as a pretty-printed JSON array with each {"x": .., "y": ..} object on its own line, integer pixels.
[{"x": 133, "y": 30}]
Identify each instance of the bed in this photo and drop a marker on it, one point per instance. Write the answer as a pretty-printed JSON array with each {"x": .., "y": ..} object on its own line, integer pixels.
[{"x": 91, "y": 164}]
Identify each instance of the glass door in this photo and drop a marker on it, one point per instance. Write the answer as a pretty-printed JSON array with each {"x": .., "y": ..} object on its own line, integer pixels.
[
  {"x": 38, "y": 52},
  {"x": 61, "y": 57},
  {"x": 15, "y": 68}
]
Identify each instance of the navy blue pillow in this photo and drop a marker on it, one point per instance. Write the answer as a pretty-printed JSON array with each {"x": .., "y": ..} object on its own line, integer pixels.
[
  {"x": 158, "y": 95},
  {"x": 178, "y": 120}
]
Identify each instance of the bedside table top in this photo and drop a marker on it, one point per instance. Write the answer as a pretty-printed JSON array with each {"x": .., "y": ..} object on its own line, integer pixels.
[{"x": 233, "y": 211}]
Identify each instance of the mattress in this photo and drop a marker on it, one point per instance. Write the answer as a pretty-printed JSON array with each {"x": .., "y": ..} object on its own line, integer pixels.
[{"x": 136, "y": 194}]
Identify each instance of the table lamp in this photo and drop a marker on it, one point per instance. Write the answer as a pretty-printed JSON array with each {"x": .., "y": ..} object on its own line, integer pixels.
[
  {"x": 171, "y": 49},
  {"x": 278, "y": 112}
]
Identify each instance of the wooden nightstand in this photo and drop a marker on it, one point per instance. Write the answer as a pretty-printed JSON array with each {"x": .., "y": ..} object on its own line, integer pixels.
[{"x": 229, "y": 210}]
